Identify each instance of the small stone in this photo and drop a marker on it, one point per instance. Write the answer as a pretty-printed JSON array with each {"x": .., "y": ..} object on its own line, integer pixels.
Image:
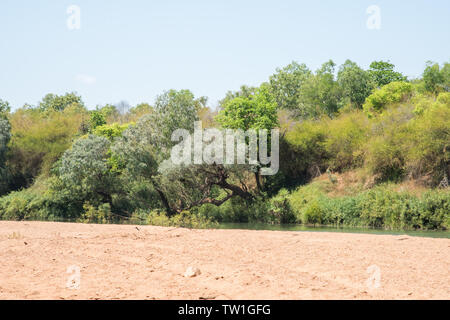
[{"x": 192, "y": 272}]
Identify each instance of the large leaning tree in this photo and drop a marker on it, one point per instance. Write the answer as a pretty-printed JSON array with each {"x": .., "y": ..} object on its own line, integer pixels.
[{"x": 143, "y": 154}]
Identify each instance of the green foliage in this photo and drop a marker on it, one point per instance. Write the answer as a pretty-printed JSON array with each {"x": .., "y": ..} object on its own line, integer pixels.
[
  {"x": 19, "y": 205},
  {"x": 429, "y": 141},
  {"x": 356, "y": 84},
  {"x": 437, "y": 79},
  {"x": 84, "y": 172},
  {"x": 120, "y": 172},
  {"x": 320, "y": 93},
  {"x": 303, "y": 151},
  {"x": 53, "y": 102},
  {"x": 92, "y": 214},
  {"x": 382, "y": 73},
  {"x": 385, "y": 151},
  {"x": 111, "y": 131},
  {"x": 280, "y": 208},
  {"x": 142, "y": 147},
  {"x": 243, "y": 92},
  {"x": 5, "y": 136},
  {"x": 381, "y": 207},
  {"x": 38, "y": 141},
  {"x": 184, "y": 219},
  {"x": 4, "y": 108},
  {"x": 286, "y": 83},
  {"x": 176, "y": 110},
  {"x": 394, "y": 92},
  {"x": 257, "y": 111},
  {"x": 346, "y": 137},
  {"x": 97, "y": 119}
]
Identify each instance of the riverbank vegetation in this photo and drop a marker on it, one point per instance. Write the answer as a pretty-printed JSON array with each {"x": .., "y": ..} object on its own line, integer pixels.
[{"x": 357, "y": 147}]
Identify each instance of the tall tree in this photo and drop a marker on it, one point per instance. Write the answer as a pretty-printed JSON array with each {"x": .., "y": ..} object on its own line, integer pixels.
[
  {"x": 286, "y": 83},
  {"x": 382, "y": 73},
  {"x": 320, "y": 93},
  {"x": 143, "y": 147},
  {"x": 356, "y": 84},
  {"x": 53, "y": 102},
  {"x": 258, "y": 111},
  {"x": 244, "y": 92},
  {"x": 437, "y": 79},
  {"x": 4, "y": 108}
]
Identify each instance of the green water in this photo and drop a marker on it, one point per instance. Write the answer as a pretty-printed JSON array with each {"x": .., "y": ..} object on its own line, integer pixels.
[{"x": 300, "y": 228}]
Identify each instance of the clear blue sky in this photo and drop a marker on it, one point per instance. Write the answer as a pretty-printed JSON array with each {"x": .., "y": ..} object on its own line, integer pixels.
[{"x": 134, "y": 50}]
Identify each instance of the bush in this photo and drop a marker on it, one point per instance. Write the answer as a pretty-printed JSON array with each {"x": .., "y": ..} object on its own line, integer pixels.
[
  {"x": 313, "y": 213},
  {"x": 380, "y": 207},
  {"x": 346, "y": 136},
  {"x": 391, "y": 93},
  {"x": 184, "y": 219},
  {"x": 280, "y": 208},
  {"x": 428, "y": 151},
  {"x": 38, "y": 141},
  {"x": 99, "y": 214},
  {"x": 20, "y": 205},
  {"x": 111, "y": 131},
  {"x": 303, "y": 152}
]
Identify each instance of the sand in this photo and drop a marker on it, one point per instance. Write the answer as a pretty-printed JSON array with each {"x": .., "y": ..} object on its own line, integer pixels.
[{"x": 146, "y": 262}]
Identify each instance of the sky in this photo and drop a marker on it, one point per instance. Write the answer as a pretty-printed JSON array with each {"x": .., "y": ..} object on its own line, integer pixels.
[{"x": 134, "y": 50}]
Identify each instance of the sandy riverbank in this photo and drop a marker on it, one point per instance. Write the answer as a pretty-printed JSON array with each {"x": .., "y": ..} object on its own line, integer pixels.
[{"x": 145, "y": 262}]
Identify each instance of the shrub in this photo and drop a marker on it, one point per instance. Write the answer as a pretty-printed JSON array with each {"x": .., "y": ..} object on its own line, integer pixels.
[
  {"x": 346, "y": 136},
  {"x": 184, "y": 219},
  {"x": 303, "y": 152},
  {"x": 313, "y": 213},
  {"x": 428, "y": 151},
  {"x": 38, "y": 141},
  {"x": 111, "y": 131},
  {"x": 280, "y": 208},
  {"x": 380, "y": 207},
  {"x": 391, "y": 93},
  {"x": 99, "y": 214}
]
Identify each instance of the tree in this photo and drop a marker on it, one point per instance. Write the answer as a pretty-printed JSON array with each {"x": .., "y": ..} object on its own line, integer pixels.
[
  {"x": 256, "y": 112},
  {"x": 175, "y": 110},
  {"x": 5, "y": 136},
  {"x": 186, "y": 187},
  {"x": 286, "y": 84},
  {"x": 437, "y": 79},
  {"x": 38, "y": 141},
  {"x": 85, "y": 172},
  {"x": 4, "y": 108},
  {"x": 140, "y": 110},
  {"x": 97, "y": 119},
  {"x": 109, "y": 112},
  {"x": 382, "y": 73},
  {"x": 143, "y": 147},
  {"x": 320, "y": 93},
  {"x": 58, "y": 103},
  {"x": 244, "y": 92},
  {"x": 356, "y": 84}
]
